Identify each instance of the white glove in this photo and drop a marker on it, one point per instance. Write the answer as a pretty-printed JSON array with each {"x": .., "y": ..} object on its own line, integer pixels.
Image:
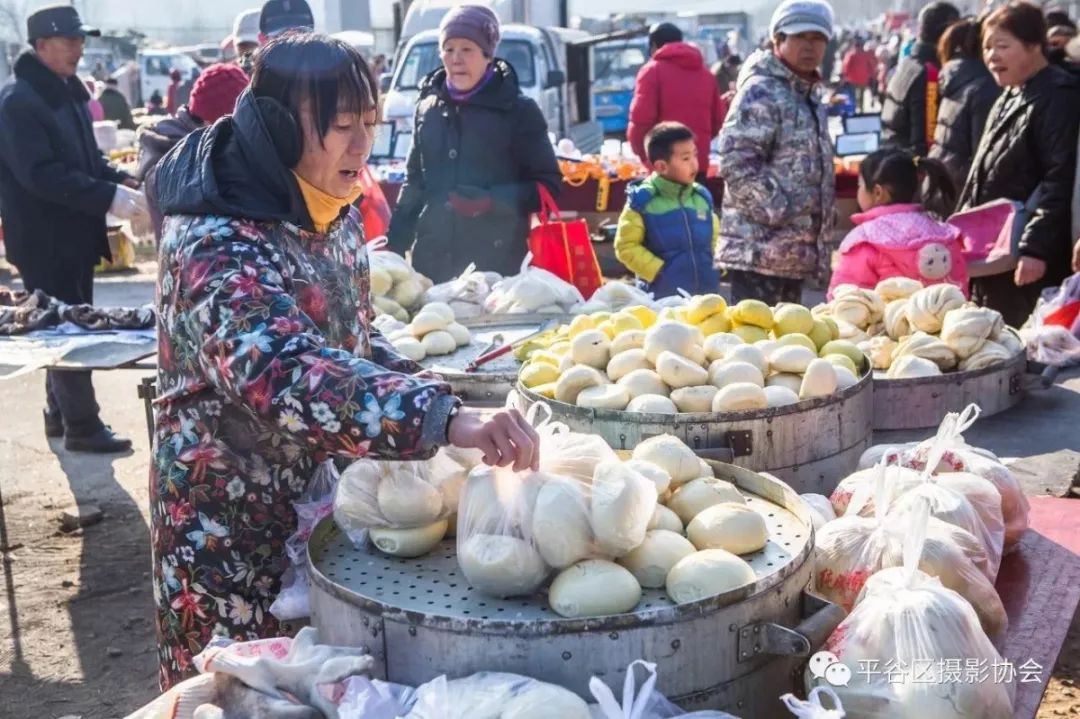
[{"x": 128, "y": 204}]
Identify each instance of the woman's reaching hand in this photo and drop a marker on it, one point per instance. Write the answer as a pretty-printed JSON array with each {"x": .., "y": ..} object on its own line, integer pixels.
[{"x": 505, "y": 439}]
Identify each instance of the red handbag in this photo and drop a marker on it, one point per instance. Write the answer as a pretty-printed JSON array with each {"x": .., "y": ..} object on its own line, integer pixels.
[{"x": 564, "y": 248}]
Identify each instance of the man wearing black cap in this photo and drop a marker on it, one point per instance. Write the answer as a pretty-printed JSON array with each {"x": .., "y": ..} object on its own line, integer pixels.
[
  {"x": 280, "y": 16},
  {"x": 909, "y": 113},
  {"x": 55, "y": 190}
]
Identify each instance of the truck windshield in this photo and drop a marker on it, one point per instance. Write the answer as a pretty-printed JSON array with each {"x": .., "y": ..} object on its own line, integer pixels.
[
  {"x": 618, "y": 61},
  {"x": 423, "y": 58}
]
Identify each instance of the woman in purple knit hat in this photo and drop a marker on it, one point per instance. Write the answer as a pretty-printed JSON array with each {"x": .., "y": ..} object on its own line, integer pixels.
[{"x": 480, "y": 148}]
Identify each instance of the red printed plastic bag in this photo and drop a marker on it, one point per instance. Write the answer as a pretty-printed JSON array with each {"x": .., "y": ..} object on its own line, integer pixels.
[
  {"x": 852, "y": 548},
  {"x": 896, "y": 644},
  {"x": 564, "y": 248}
]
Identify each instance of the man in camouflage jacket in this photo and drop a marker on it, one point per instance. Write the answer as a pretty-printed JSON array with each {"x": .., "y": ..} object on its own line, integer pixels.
[{"x": 776, "y": 161}]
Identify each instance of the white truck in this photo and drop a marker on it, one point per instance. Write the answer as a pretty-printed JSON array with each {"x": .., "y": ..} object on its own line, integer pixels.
[{"x": 537, "y": 54}]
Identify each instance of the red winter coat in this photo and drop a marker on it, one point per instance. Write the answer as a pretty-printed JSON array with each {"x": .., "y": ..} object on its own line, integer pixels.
[
  {"x": 675, "y": 86},
  {"x": 859, "y": 67}
]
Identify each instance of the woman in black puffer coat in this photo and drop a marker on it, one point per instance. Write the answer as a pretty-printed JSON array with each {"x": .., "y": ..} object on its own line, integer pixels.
[
  {"x": 480, "y": 148},
  {"x": 967, "y": 91},
  {"x": 1028, "y": 155}
]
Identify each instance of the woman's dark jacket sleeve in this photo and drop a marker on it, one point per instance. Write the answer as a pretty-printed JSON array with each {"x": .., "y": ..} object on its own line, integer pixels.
[{"x": 1057, "y": 127}]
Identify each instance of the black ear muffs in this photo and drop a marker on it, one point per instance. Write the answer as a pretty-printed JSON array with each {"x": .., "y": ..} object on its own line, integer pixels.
[{"x": 284, "y": 130}]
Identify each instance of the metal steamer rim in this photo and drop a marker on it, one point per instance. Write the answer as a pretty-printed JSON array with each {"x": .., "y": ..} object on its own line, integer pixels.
[
  {"x": 696, "y": 417},
  {"x": 431, "y": 591},
  {"x": 1017, "y": 360},
  {"x": 483, "y": 330}
]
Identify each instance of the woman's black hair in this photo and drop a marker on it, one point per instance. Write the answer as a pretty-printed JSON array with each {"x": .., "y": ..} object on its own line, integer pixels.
[
  {"x": 303, "y": 67},
  {"x": 911, "y": 179}
]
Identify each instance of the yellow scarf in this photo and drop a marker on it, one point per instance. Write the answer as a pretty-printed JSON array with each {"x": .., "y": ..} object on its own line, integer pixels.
[{"x": 324, "y": 208}]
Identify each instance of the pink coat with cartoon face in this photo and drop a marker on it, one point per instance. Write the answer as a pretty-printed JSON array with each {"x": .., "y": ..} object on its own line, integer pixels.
[{"x": 900, "y": 241}]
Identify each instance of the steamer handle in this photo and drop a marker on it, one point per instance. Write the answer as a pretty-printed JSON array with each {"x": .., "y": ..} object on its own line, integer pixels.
[
  {"x": 822, "y": 617},
  {"x": 717, "y": 454}
]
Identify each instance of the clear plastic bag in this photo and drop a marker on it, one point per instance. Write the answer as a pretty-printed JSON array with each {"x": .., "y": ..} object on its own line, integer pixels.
[
  {"x": 958, "y": 456},
  {"x": 375, "y": 699},
  {"x": 812, "y": 707},
  {"x": 469, "y": 287},
  {"x": 316, "y": 503},
  {"x": 399, "y": 506},
  {"x": 514, "y": 529},
  {"x": 852, "y": 548},
  {"x": 898, "y": 640},
  {"x": 856, "y": 493},
  {"x": 495, "y": 546},
  {"x": 821, "y": 509},
  {"x": 495, "y": 695},
  {"x": 643, "y": 703},
  {"x": 964, "y": 500},
  {"x": 569, "y": 454},
  {"x": 530, "y": 290}
]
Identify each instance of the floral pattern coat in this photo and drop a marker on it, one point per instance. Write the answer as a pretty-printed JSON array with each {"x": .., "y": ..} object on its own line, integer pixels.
[
  {"x": 779, "y": 185},
  {"x": 267, "y": 365}
]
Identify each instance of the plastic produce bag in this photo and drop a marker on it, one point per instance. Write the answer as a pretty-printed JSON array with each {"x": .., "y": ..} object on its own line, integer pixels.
[
  {"x": 821, "y": 509},
  {"x": 643, "y": 703},
  {"x": 495, "y": 546},
  {"x": 813, "y": 708},
  {"x": 530, "y": 291},
  {"x": 495, "y": 695},
  {"x": 470, "y": 287},
  {"x": 375, "y": 699},
  {"x": 317, "y": 502},
  {"x": 853, "y": 548},
  {"x": 386, "y": 501},
  {"x": 902, "y": 628},
  {"x": 566, "y": 453},
  {"x": 619, "y": 295},
  {"x": 856, "y": 493},
  {"x": 958, "y": 456}
]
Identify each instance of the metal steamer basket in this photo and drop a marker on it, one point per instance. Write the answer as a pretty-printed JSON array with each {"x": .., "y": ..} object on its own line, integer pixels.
[
  {"x": 492, "y": 382},
  {"x": 739, "y": 651},
  {"x": 921, "y": 402},
  {"x": 809, "y": 445}
]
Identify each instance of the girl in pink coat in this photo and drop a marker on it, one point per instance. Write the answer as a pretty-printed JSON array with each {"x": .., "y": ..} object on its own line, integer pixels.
[{"x": 896, "y": 234}]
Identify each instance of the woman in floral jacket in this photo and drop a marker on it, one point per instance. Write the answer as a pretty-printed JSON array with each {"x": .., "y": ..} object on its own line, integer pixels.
[{"x": 267, "y": 361}]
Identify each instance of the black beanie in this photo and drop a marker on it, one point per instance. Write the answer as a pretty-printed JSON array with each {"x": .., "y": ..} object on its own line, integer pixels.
[{"x": 934, "y": 19}]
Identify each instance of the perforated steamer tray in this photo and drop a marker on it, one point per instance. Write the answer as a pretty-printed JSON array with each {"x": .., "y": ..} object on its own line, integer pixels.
[
  {"x": 420, "y": 618},
  {"x": 434, "y": 585},
  {"x": 492, "y": 382}
]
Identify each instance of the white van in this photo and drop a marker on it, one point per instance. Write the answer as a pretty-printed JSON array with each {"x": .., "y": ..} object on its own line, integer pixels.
[
  {"x": 154, "y": 69},
  {"x": 538, "y": 56}
]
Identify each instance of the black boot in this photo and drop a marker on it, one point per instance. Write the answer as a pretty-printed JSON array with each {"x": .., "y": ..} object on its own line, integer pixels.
[
  {"x": 104, "y": 441},
  {"x": 54, "y": 425}
]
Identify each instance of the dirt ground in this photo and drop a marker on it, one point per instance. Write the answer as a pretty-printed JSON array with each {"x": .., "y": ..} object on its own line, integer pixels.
[{"x": 76, "y": 635}]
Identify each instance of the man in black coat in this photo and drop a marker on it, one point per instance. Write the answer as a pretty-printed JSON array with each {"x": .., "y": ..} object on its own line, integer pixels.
[
  {"x": 55, "y": 189},
  {"x": 904, "y": 113}
]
